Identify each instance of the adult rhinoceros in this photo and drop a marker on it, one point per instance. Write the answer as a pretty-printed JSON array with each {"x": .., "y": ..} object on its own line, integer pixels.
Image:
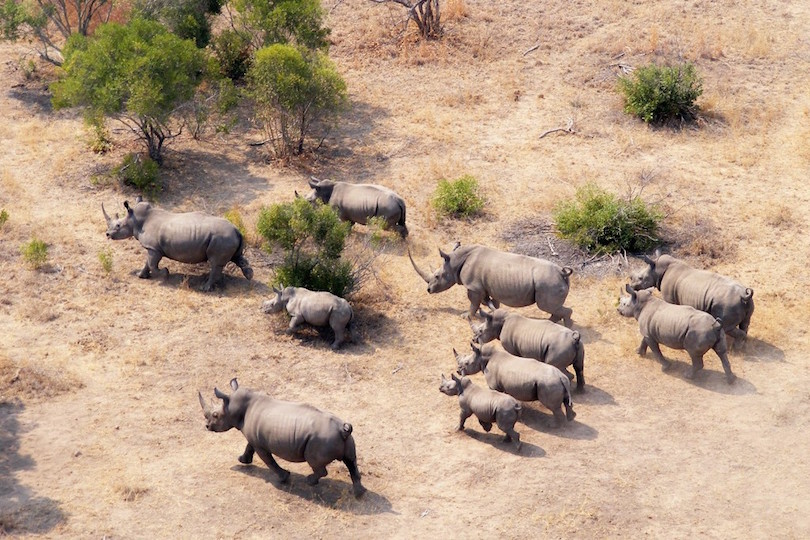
[{"x": 190, "y": 237}]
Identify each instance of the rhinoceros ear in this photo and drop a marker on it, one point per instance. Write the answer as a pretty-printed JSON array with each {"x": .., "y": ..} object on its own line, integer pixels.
[
  {"x": 224, "y": 397},
  {"x": 444, "y": 255},
  {"x": 138, "y": 199},
  {"x": 475, "y": 347},
  {"x": 297, "y": 195},
  {"x": 126, "y": 205},
  {"x": 234, "y": 384},
  {"x": 630, "y": 290},
  {"x": 313, "y": 182}
]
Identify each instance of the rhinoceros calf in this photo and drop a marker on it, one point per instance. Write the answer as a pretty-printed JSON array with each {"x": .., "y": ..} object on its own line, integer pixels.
[
  {"x": 500, "y": 277},
  {"x": 191, "y": 237},
  {"x": 677, "y": 327},
  {"x": 542, "y": 340},
  {"x": 295, "y": 432},
  {"x": 522, "y": 378},
  {"x": 679, "y": 283},
  {"x": 487, "y": 405},
  {"x": 359, "y": 202},
  {"x": 318, "y": 308}
]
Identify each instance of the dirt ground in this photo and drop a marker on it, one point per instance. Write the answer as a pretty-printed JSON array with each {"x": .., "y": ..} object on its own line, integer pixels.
[{"x": 101, "y": 432}]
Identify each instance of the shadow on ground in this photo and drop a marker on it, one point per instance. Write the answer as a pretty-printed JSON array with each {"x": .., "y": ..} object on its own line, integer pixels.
[
  {"x": 329, "y": 493},
  {"x": 756, "y": 350},
  {"x": 544, "y": 423},
  {"x": 496, "y": 441},
  {"x": 21, "y": 510}
]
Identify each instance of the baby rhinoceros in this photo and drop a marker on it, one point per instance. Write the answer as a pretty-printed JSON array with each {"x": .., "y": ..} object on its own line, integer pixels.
[
  {"x": 542, "y": 340},
  {"x": 525, "y": 379},
  {"x": 487, "y": 405},
  {"x": 295, "y": 432},
  {"x": 318, "y": 308},
  {"x": 677, "y": 327}
]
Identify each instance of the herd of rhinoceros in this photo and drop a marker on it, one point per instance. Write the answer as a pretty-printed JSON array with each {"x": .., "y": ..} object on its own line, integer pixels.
[{"x": 698, "y": 310}]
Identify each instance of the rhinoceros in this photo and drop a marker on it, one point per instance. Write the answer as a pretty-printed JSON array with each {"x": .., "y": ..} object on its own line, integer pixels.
[
  {"x": 295, "y": 432},
  {"x": 359, "y": 202},
  {"x": 317, "y": 308},
  {"x": 679, "y": 283},
  {"x": 487, "y": 405},
  {"x": 532, "y": 338},
  {"x": 522, "y": 378},
  {"x": 500, "y": 277},
  {"x": 677, "y": 327},
  {"x": 190, "y": 237}
]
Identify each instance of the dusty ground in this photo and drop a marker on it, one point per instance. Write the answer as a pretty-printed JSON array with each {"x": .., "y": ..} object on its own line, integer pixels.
[{"x": 102, "y": 434}]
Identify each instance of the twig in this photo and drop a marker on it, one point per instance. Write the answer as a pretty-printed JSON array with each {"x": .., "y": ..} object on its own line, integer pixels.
[
  {"x": 567, "y": 129},
  {"x": 527, "y": 51},
  {"x": 551, "y": 246},
  {"x": 260, "y": 143},
  {"x": 396, "y": 369}
]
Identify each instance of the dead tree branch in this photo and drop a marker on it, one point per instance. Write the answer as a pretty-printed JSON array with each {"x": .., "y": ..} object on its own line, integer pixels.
[{"x": 567, "y": 129}]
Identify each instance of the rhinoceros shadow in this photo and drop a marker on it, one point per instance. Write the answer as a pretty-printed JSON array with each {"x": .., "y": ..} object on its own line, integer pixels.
[
  {"x": 544, "y": 423},
  {"x": 711, "y": 379},
  {"x": 589, "y": 335},
  {"x": 593, "y": 396},
  {"x": 756, "y": 350},
  {"x": 496, "y": 441},
  {"x": 21, "y": 510},
  {"x": 330, "y": 493}
]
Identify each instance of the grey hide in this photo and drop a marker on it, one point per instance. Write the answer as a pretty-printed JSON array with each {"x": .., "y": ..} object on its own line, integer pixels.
[
  {"x": 522, "y": 378},
  {"x": 294, "y": 432},
  {"x": 487, "y": 405},
  {"x": 500, "y": 277},
  {"x": 318, "y": 308},
  {"x": 679, "y": 283},
  {"x": 359, "y": 202},
  {"x": 190, "y": 237},
  {"x": 677, "y": 327},
  {"x": 542, "y": 340}
]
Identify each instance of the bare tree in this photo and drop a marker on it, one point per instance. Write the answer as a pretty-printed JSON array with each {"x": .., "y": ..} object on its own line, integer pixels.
[
  {"x": 53, "y": 21},
  {"x": 425, "y": 13}
]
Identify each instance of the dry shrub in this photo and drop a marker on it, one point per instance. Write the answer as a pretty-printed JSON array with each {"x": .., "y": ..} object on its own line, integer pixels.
[
  {"x": 130, "y": 493},
  {"x": 454, "y": 9},
  {"x": 781, "y": 217},
  {"x": 21, "y": 380},
  {"x": 698, "y": 237}
]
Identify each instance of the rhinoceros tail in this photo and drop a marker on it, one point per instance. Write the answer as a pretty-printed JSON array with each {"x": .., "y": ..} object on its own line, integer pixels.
[
  {"x": 749, "y": 293},
  {"x": 239, "y": 259},
  {"x": 575, "y": 336},
  {"x": 518, "y": 409},
  {"x": 566, "y": 271},
  {"x": 403, "y": 231},
  {"x": 346, "y": 431},
  {"x": 567, "y": 401}
]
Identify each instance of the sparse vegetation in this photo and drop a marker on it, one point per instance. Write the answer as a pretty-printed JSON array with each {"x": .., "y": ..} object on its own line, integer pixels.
[
  {"x": 294, "y": 91},
  {"x": 99, "y": 138},
  {"x": 105, "y": 257},
  {"x": 657, "y": 94},
  {"x": 313, "y": 238},
  {"x": 35, "y": 253},
  {"x": 235, "y": 216},
  {"x": 426, "y": 14},
  {"x": 3, "y": 217},
  {"x": 601, "y": 222},
  {"x": 458, "y": 198},
  {"x": 139, "y": 172}
]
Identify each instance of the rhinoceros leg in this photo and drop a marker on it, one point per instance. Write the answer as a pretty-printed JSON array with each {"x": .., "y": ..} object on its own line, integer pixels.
[
  {"x": 697, "y": 364},
  {"x": 317, "y": 474},
  {"x": 563, "y": 313},
  {"x": 214, "y": 276},
  {"x": 247, "y": 455},
  {"x": 642, "y": 348},
  {"x": 267, "y": 457},
  {"x": 722, "y": 352},
  {"x": 462, "y": 417},
  {"x": 295, "y": 322},
  {"x": 351, "y": 464},
  {"x": 486, "y": 425},
  {"x": 152, "y": 259},
  {"x": 656, "y": 350},
  {"x": 476, "y": 298},
  {"x": 340, "y": 333}
]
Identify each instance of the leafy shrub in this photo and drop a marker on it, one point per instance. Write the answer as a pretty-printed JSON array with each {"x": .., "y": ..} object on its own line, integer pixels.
[
  {"x": 313, "y": 238},
  {"x": 3, "y": 217},
  {"x": 232, "y": 51},
  {"x": 106, "y": 259},
  {"x": 139, "y": 172},
  {"x": 600, "y": 222},
  {"x": 35, "y": 253},
  {"x": 99, "y": 139},
  {"x": 459, "y": 198},
  {"x": 294, "y": 91},
  {"x": 660, "y": 93},
  {"x": 298, "y": 22}
]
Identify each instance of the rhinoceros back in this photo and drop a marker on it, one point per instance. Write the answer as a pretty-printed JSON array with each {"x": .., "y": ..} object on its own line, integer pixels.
[
  {"x": 358, "y": 202},
  {"x": 191, "y": 237}
]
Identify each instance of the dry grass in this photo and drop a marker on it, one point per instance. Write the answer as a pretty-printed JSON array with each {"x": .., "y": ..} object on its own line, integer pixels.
[{"x": 25, "y": 380}]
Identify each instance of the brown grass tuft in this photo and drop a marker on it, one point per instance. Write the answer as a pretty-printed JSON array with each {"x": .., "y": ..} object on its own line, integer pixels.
[{"x": 20, "y": 380}]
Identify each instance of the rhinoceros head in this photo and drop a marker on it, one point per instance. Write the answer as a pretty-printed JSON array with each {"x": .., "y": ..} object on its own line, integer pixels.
[
  {"x": 646, "y": 277},
  {"x": 321, "y": 190},
  {"x": 439, "y": 280},
  {"x": 470, "y": 363},
  {"x": 120, "y": 227},
  {"x": 449, "y": 386},
  {"x": 489, "y": 329},
  {"x": 275, "y": 304},
  {"x": 216, "y": 417},
  {"x": 631, "y": 306}
]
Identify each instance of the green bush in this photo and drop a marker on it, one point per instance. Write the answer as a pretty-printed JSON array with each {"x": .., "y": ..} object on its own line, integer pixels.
[
  {"x": 232, "y": 51},
  {"x": 660, "y": 93},
  {"x": 600, "y": 222},
  {"x": 106, "y": 259},
  {"x": 459, "y": 198},
  {"x": 35, "y": 253},
  {"x": 3, "y": 217},
  {"x": 140, "y": 172},
  {"x": 313, "y": 238}
]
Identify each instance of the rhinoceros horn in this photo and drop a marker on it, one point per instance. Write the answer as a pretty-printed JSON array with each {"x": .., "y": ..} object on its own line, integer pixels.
[
  {"x": 105, "y": 214},
  {"x": 205, "y": 406},
  {"x": 424, "y": 275},
  {"x": 313, "y": 182}
]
